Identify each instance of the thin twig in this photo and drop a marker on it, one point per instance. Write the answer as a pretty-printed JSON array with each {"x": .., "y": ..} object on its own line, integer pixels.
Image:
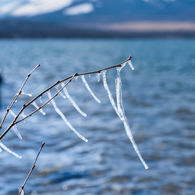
[
  {"x": 16, "y": 97},
  {"x": 22, "y": 187},
  {"x": 98, "y": 71}
]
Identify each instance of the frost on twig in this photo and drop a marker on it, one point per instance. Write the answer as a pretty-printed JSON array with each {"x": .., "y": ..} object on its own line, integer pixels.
[
  {"x": 89, "y": 89},
  {"x": 72, "y": 101},
  {"x": 64, "y": 118},
  {"x": 8, "y": 150}
]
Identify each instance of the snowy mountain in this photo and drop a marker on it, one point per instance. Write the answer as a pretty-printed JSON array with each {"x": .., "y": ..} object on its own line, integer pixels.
[{"x": 102, "y": 15}]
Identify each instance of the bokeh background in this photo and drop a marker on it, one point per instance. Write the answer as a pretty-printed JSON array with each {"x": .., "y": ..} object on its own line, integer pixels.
[{"x": 79, "y": 36}]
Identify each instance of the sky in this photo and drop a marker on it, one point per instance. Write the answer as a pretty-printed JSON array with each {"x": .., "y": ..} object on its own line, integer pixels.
[{"x": 36, "y": 7}]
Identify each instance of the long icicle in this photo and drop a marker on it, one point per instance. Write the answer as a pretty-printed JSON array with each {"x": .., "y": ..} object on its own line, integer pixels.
[
  {"x": 109, "y": 93},
  {"x": 124, "y": 119},
  {"x": 64, "y": 118},
  {"x": 72, "y": 101},
  {"x": 8, "y": 150},
  {"x": 118, "y": 86},
  {"x": 89, "y": 89}
]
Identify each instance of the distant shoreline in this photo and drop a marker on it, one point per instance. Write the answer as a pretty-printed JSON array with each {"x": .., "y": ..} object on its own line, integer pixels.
[
  {"x": 26, "y": 29},
  {"x": 86, "y": 34}
]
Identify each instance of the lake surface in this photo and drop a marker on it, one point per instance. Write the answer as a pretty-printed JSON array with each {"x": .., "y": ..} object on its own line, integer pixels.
[{"x": 159, "y": 102}]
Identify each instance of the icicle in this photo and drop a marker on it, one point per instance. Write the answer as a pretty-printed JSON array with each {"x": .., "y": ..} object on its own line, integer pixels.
[
  {"x": 123, "y": 116},
  {"x": 72, "y": 101},
  {"x": 22, "y": 114},
  {"x": 89, "y": 89},
  {"x": 41, "y": 99},
  {"x": 28, "y": 94},
  {"x": 98, "y": 76},
  {"x": 76, "y": 78},
  {"x": 118, "y": 86},
  {"x": 64, "y": 118},
  {"x": 109, "y": 93},
  {"x": 37, "y": 107},
  {"x": 12, "y": 113},
  {"x": 130, "y": 64},
  {"x": 8, "y": 150},
  {"x": 15, "y": 129},
  {"x": 89, "y": 75},
  {"x": 0, "y": 150},
  {"x": 60, "y": 92},
  {"x": 22, "y": 193}
]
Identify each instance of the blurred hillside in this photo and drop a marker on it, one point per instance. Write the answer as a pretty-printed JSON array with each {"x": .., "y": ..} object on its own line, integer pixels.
[{"x": 97, "y": 18}]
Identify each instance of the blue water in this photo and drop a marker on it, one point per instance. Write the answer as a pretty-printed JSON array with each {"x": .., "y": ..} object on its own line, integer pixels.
[{"x": 159, "y": 101}]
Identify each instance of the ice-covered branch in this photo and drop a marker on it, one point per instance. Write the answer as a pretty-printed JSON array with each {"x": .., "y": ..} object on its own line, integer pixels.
[
  {"x": 14, "y": 122},
  {"x": 118, "y": 106},
  {"x": 41, "y": 94}
]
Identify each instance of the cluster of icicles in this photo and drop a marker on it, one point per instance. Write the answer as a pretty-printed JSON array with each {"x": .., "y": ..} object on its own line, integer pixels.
[{"x": 118, "y": 107}]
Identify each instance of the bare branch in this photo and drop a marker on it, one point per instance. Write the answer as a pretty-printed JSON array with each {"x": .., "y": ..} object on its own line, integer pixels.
[{"x": 22, "y": 187}]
